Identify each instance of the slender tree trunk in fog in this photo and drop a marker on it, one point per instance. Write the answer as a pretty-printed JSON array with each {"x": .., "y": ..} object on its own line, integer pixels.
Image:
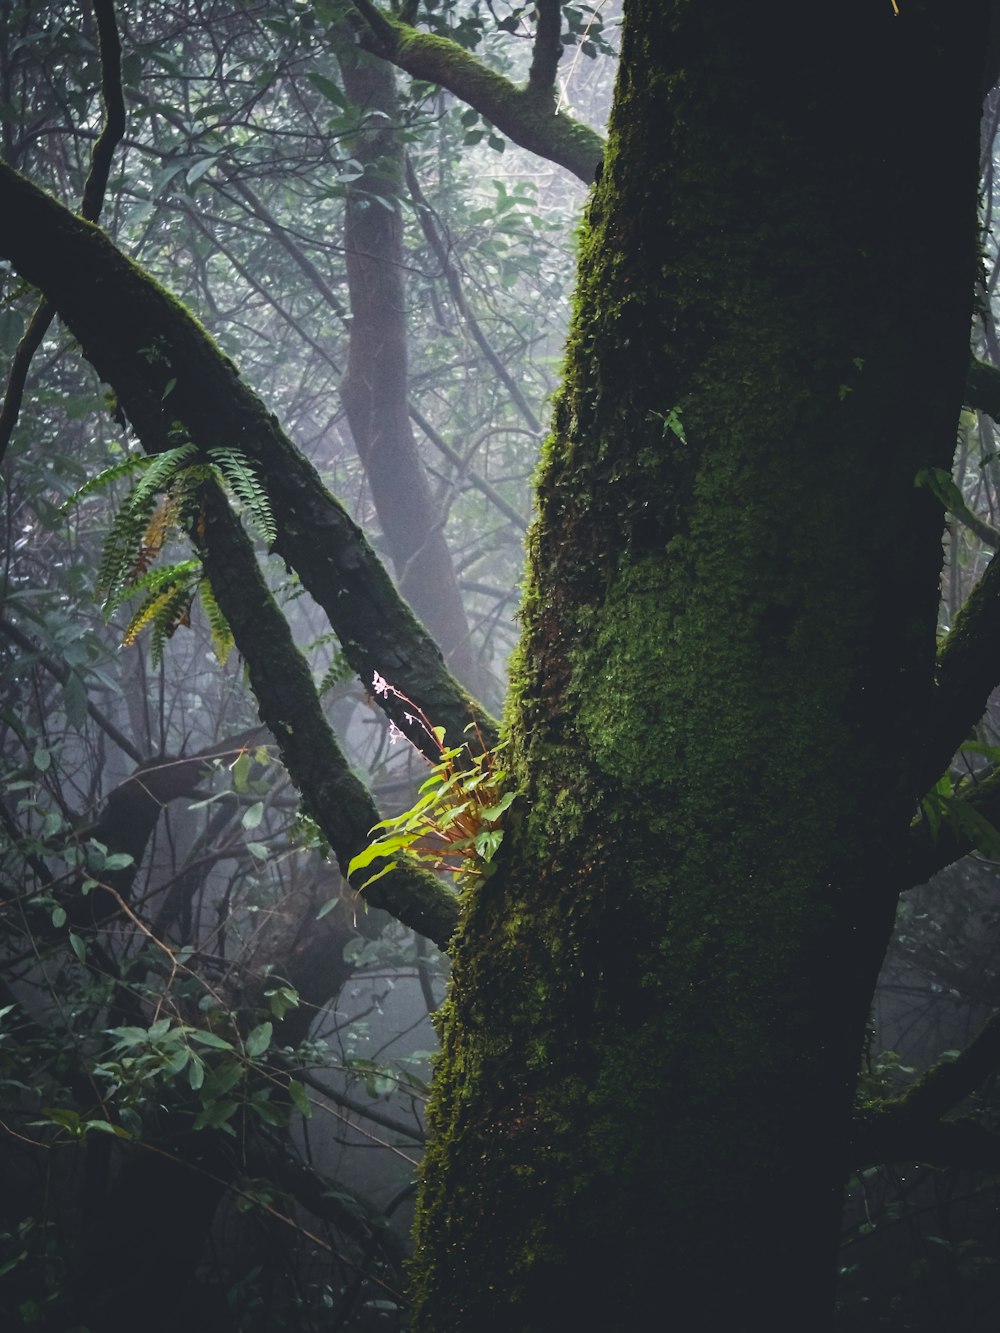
[
  {"x": 721, "y": 699},
  {"x": 374, "y": 388}
]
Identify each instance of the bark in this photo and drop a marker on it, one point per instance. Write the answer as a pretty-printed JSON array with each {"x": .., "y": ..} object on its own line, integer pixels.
[
  {"x": 526, "y": 115},
  {"x": 725, "y": 682}
]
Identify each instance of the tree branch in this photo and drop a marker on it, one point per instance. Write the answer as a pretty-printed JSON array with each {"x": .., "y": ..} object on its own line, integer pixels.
[
  {"x": 982, "y": 388},
  {"x": 289, "y": 706},
  {"x": 526, "y": 115},
  {"x": 910, "y": 1127},
  {"x": 968, "y": 670},
  {"x": 169, "y": 375},
  {"x": 883, "y": 1134}
]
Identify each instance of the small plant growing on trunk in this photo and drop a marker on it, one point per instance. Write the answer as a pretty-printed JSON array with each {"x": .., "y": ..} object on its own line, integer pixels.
[{"x": 455, "y": 823}]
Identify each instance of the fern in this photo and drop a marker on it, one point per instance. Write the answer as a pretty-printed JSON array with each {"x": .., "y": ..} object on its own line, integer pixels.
[
  {"x": 126, "y": 553},
  {"x": 222, "y": 635},
  {"x": 239, "y": 473},
  {"x": 174, "y": 610},
  {"x": 155, "y": 580},
  {"x": 336, "y": 673},
  {"x": 339, "y": 670},
  {"x": 134, "y": 463},
  {"x": 158, "y": 475},
  {"x": 169, "y": 591},
  {"x": 120, "y": 555}
]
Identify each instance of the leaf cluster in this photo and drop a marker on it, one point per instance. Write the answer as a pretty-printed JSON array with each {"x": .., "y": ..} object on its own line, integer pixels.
[
  {"x": 455, "y": 824},
  {"x": 162, "y": 503}
]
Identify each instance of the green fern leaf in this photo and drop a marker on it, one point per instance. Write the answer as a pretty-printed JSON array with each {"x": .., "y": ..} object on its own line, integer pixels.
[
  {"x": 134, "y": 463},
  {"x": 155, "y": 580},
  {"x": 238, "y": 471},
  {"x": 336, "y": 673},
  {"x": 158, "y": 475},
  {"x": 173, "y": 611},
  {"x": 121, "y": 550},
  {"x": 222, "y": 635}
]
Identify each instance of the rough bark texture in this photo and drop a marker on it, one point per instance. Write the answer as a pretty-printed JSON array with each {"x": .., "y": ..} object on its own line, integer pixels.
[
  {"x": 728, "y": 664},
  {"x": 527, "y": 115}
]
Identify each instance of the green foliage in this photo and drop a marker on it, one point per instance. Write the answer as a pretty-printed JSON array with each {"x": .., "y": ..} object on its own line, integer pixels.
[
  {"x": 236, "y": 469},
  {"x": 455, "y": 825},
  {"x": 141, "y": 528},
  {"x": 945, "y": 804}
]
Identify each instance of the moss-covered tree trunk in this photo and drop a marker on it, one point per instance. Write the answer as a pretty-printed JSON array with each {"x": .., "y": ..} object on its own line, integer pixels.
[{"x": 725, "y": 683}]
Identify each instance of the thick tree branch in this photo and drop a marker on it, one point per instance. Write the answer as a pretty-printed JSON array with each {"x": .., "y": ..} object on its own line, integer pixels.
[
  {"x": 949, "y": 1082},
  {"x": 169, "y": 375},
  {"x": 968, "y": 670},
  {"x": 884, "y": 1134},
  {"x": 526, "y": 115},
  {"x": 982, "y": 388},
  {"x": 910, "y": 1128},
  {"x": 289, "y": 706}
]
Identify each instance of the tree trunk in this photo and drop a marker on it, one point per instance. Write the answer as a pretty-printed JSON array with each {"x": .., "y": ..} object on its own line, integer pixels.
[
  {"x": 375, "y": 386},
  {"x": 654, "y": 1028}
]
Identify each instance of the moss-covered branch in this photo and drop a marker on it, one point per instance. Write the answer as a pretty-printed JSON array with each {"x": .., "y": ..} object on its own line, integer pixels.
[
  {"x": 930, "y": 852},
  {"x": 968, "y": 670},
  {"x": 883, "y": 1134},
  {"x": 526, "y": 115},
  {"x": 910, "y": 1128},
  {"x": 169, "y": 375},
  {"x": 289, "y": 705},
  {"x": 982, "y": 388}
]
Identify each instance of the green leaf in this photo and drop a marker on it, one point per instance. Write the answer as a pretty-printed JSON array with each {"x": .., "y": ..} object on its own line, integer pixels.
[
  {"x": 240, "y": 771},
  {"x": 495, "y": 811},
  {"x": 210, "y": 1039},
  {"x": 329, "y": 90},
  {"x": 259, "y": 1040},
  {"x": 253, "y": 816},
  {"x": 298, "y": 1095},
  {"x": 78, "y": 946},
  {"x": 118, "y": 861}
]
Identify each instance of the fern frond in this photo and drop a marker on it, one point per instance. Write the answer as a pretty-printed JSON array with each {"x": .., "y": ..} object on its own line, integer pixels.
[
  {"x": 239, "y": 472},
  {"x": 120, "y": 555},
  {"x": 156, "y": 580},
  {"x": 158, "y": 475},
  {"x": 174, "y": 610},
  {"x": 148, "y": 611},
  {"x": 135, "y": 463},
  {"x": 336, "y": 673},
  {"x": 222, "y": 635}
]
